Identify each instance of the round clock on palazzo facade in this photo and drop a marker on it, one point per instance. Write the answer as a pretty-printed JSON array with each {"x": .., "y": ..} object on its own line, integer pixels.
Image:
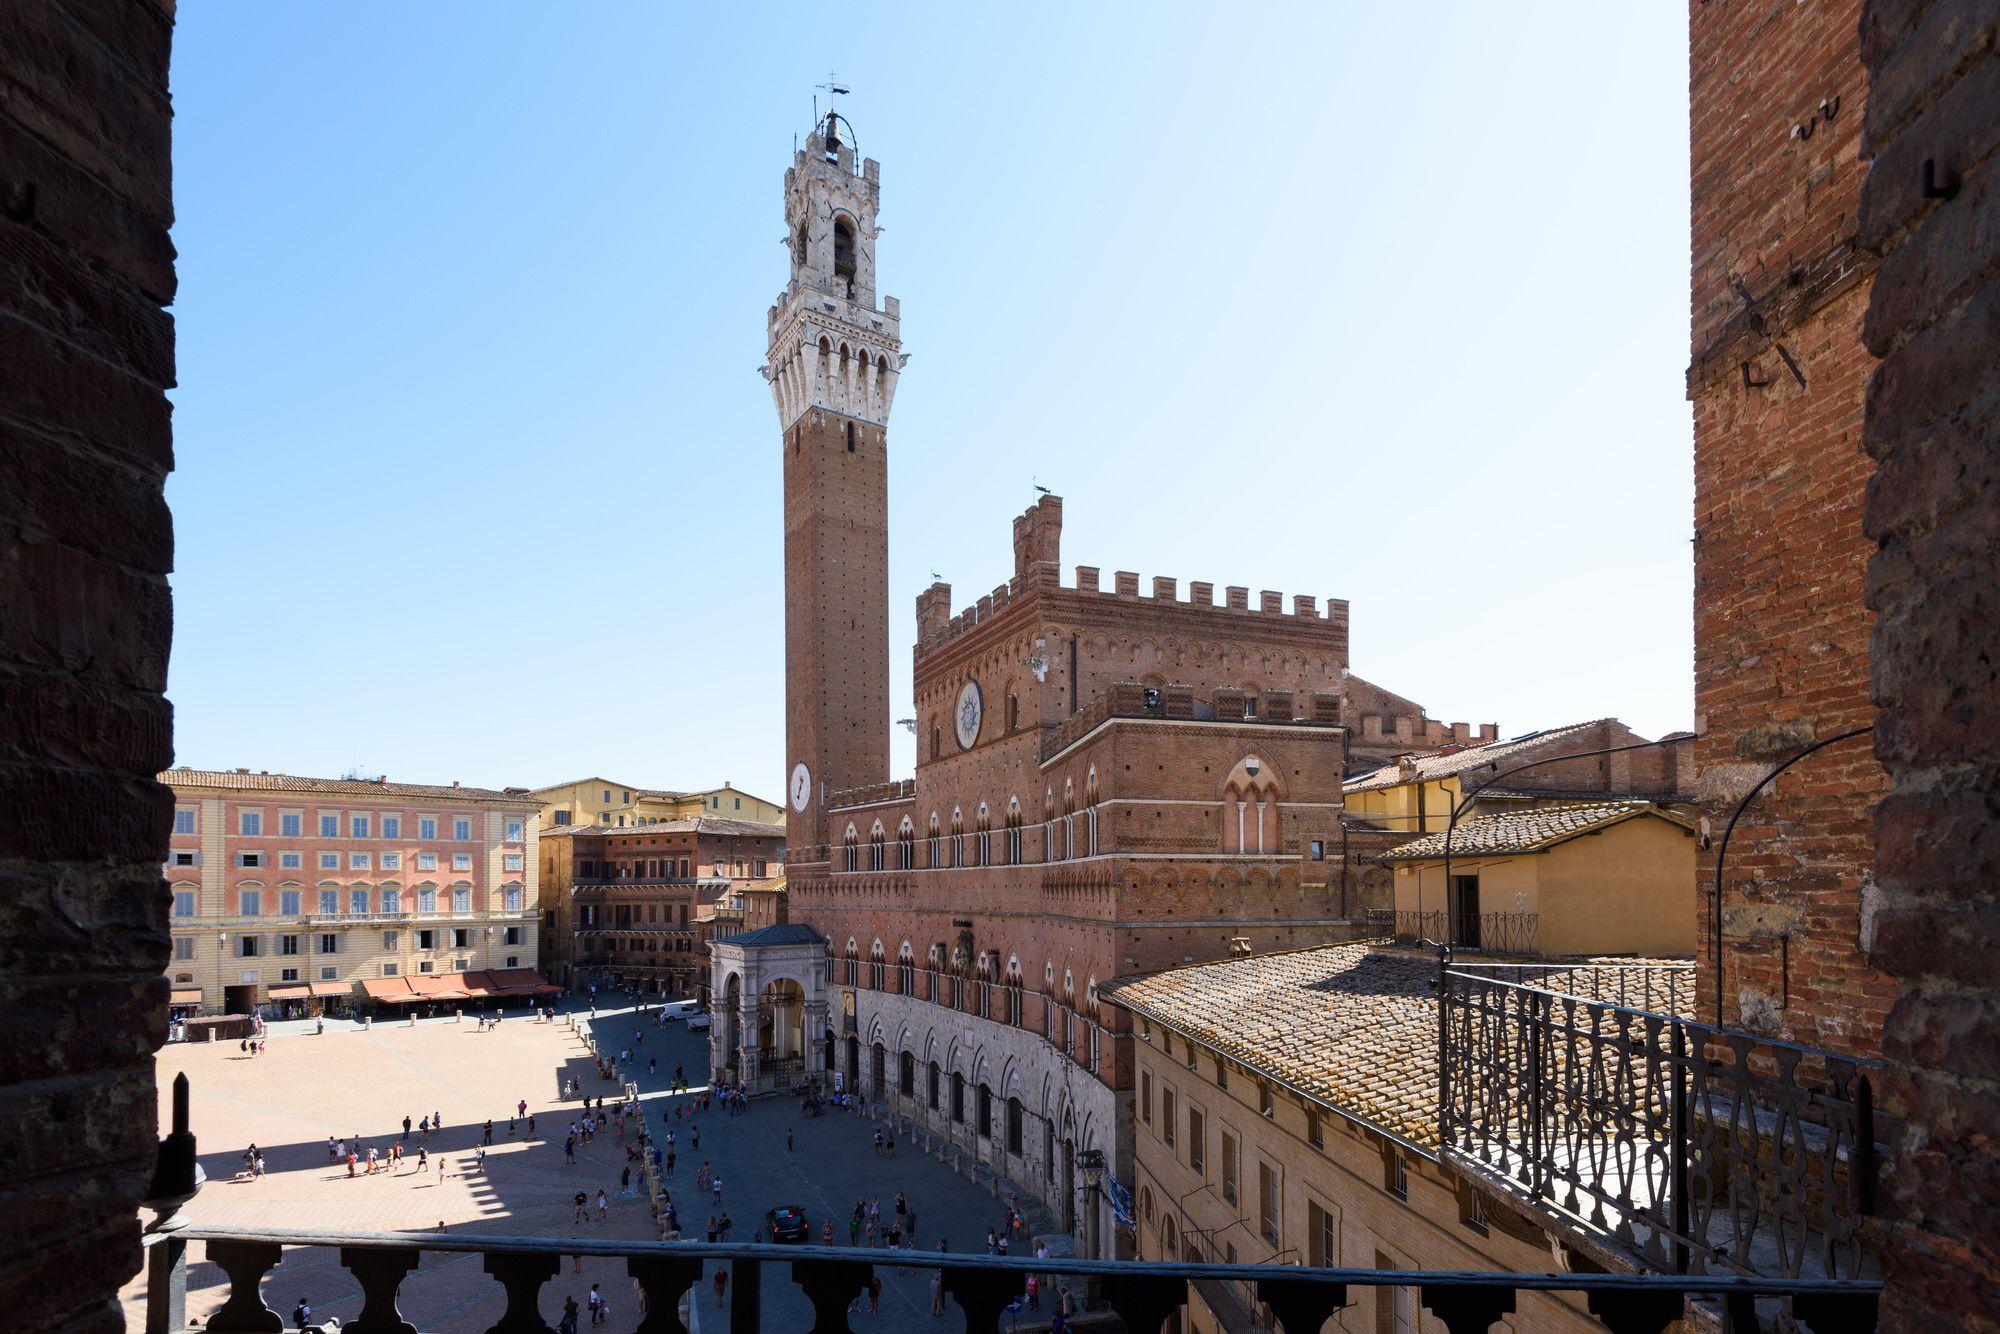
[
  {"x": 802, "y": 787},
  {"x": 971, "y": 708}
]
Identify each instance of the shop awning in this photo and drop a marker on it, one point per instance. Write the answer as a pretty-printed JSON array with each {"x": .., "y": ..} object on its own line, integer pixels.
[
  {"x": 290, "y": 993},
  {"x": 185, "y": 996},
  {"x": 331, "y": 990},
  {"x": 393, "y": 990},
  {"x": 475, "y": 985}
]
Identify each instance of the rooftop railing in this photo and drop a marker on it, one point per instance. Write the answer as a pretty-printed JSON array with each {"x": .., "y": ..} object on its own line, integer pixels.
[
  {"x": 1145, "y": 1295},
  {"x": 1490, "y": 932},
  {"x": 1591, "y": 1094}
]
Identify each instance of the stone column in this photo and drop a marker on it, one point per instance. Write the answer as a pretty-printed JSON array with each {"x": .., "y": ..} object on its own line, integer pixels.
[
  {"x": 746, "y": 1042},
  {"x": 814, "y": 1037}
]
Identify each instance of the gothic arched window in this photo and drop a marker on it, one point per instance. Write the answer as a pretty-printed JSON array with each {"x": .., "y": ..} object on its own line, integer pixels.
[{"x": 843, "y": 248}]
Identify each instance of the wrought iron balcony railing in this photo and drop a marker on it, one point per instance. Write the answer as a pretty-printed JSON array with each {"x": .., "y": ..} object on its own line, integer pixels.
[
  {"x": 1489, "y": 932},
  {"x": 1591, "y": 1094},
  {"x": 1144, "y": 1295}
]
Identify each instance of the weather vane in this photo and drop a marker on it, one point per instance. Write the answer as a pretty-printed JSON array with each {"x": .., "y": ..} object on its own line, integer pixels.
[{"x": 833, "y": 88}]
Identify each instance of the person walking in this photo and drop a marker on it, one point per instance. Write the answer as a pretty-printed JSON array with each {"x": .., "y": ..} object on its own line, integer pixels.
[
  {"x": 721, "y": 1284},
  {"x": 582, "y": 1202},
  {"x": 489, "y": 1130},
  {"x": 937, "y": 1292},
  {"x": 715, "y": 1184},
  {"x": 406, "y": 1127},
  {"x": 567, "y": 1325},
  {"x": 423, "y": 1160},
  {"x": 788, "y": 1139},
  {"x": 603, "y": 1205},
  {"x": 330, "y": 1153}
]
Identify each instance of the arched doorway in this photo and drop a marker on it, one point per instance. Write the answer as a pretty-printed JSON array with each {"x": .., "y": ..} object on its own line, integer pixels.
[{"x": 853, "y": 1063}]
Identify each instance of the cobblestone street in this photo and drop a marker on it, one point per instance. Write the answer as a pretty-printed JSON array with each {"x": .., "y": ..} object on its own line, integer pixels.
[{"x": 362, "y": 1082}]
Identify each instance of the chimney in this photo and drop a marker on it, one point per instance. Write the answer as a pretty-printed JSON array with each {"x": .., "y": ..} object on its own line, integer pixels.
[
  {"x": 242, "y": 771},
  {"x": 454, "y": 782},
  {"x": 1406, "y": 767}
]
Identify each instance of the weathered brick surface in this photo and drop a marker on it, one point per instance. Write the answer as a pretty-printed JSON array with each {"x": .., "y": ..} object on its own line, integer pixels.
[
  {"x": 1781, "y": 629},
  {"x": 86, "y": 355},
  {"x": 1933, "y": 414}
]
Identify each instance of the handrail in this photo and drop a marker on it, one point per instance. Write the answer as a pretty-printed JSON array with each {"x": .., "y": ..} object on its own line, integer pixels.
[{"x": 1690, "y": 1284}]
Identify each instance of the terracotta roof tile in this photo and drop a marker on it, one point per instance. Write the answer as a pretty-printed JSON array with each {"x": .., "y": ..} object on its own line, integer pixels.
[
  {"x": 350, "y": 787},
  {"x": 1531, "y": 830},
  {"x": 1433, "y": 765},
  {"x": 1351, "y": 1025}
]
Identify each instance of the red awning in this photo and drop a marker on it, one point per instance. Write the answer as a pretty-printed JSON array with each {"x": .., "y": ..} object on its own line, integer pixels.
[
  {"x": 185, "y": 996},
  {"x": 289, "y": 993},
  {"x": 394, "y": 990},
  {"x": 331, "y": 990}
]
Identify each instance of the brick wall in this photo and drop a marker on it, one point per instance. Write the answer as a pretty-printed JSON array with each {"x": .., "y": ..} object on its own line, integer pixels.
[
  {"x": 86, "y": 353},
  {"x": 1781, "y": 630},
  {"x": 1933, "y": 507}
]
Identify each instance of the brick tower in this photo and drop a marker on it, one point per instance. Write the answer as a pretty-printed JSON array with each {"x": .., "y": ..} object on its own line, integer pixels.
[{"x": 833, "y": 363}]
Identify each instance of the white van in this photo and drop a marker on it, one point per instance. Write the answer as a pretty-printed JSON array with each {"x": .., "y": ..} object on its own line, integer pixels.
[{"x": 680, "y": 1009}]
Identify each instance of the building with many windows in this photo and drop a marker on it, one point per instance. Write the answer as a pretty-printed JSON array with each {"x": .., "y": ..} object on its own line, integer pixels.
[
  {"x": 1108, "y": 781},
  {"x": 290, "y": 892},
  {"x": 633, "y": 904}
]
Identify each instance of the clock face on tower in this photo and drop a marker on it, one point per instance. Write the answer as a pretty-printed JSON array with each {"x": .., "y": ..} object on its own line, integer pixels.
[
  {"x": 971, "y": 708},
  {"x": 802, "y": 787}
]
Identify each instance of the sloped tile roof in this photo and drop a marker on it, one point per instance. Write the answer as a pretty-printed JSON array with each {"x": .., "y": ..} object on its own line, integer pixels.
[
  {"x": 1434, "y": 765},
  {"x": 1532, "y": 830},
  {"x": 1353, "y": 1026},
  {"x": 350, "y": 787}
]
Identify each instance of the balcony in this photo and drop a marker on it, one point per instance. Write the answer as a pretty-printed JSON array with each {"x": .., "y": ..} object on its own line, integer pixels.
[
  {"x": 1590, "y": 1095},
  {"x": 1144, "y": 1295}
]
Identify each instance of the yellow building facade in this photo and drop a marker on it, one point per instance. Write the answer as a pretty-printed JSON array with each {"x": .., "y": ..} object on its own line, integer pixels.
[
  {"x": 617, "y": 805},
  {"x": 1576, "y": 879}
]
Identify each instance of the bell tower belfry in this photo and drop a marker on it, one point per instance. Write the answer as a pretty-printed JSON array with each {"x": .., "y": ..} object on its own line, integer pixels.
[{"x": 833, "y": 362}]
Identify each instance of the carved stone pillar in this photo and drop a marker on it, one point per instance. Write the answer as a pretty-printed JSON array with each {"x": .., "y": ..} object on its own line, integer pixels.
[
  {"x": 246, "y": 1263},
  {"x": 381, "y": 1274}
]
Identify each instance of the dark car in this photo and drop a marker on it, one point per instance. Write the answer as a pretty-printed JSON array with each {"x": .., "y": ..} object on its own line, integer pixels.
[{"x": 788, "y": 1223}]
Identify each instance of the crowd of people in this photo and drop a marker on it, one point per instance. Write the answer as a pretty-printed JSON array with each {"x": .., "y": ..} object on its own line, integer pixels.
[{"x": 592, "y": 1119}]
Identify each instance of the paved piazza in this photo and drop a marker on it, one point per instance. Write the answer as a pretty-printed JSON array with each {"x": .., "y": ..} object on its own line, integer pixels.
[{"x": 349, "y": 1081}]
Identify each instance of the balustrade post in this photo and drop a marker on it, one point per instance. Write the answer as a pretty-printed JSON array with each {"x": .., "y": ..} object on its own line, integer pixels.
[
  {"x": 246, "y": 1263},
  {"x": 746, "y": 1299},
  {"x": 166, "y": 1284},
  {"x": 1636, "y": 1312},
  {"x": 983, "y": 1295},
  {"x": 1143, "y": 1302},
  {"x": 380, "y": 1273},
  {"x": 1837, "y": 1313},
  {"x": 1301, "y": 1305},
  {"x": 830, "y": 1285},
  {"x": 1467, "y": 1308},
  {"x": 522, "y": 1275},
  {"x": 664, "y": 1279}
]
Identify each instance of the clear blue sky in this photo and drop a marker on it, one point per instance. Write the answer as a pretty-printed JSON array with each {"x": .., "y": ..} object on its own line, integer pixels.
[{"x": 477, "y": 479}]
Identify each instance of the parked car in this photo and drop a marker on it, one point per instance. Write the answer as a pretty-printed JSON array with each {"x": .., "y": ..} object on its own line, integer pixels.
[
  {"x": 788, "y": 1223},
  {"x": 683, "y": 1009},
  {"x": 698, "y": 1021}
]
